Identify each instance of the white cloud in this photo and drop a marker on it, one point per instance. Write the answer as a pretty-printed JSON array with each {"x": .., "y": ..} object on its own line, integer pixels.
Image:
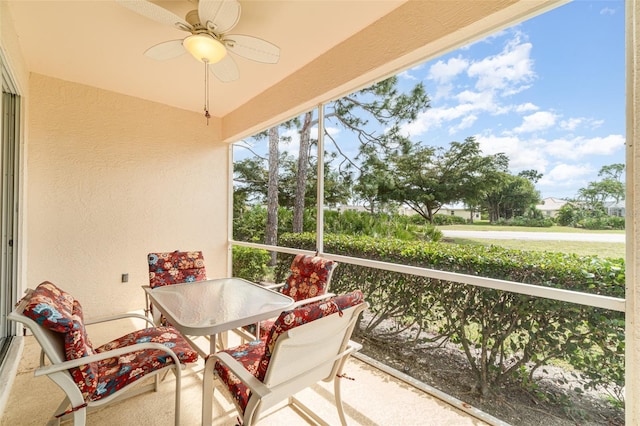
[
  {"x": 580, "y": 147},
  {"x": 526, "y": 107},
  {"x": 571, "y": 124},
  {"x": 565, "y": 172},
  {"x": 465, "y": 123},
  {"x": 566, "y": 178},
  {"x": 443, "y": 72},
  {"x": 509, "y": 72},
  {"x": 607, "y": 11},
  {"x": 409, "y": 74},
  {"x": 538, "y": 153},
  {"x": 522, "y": 155},
  {"x": 537, "y": 121}
]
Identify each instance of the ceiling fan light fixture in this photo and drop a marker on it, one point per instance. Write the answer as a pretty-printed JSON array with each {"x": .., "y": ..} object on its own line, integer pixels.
[{"x": 205, "y": 48}]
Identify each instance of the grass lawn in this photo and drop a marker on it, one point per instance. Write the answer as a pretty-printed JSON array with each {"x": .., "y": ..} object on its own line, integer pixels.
[
  {"x": 484, "y": 226},
  {"x": 613, "y": 250}
]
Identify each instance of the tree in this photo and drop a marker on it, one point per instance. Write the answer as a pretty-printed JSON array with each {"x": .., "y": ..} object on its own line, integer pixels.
[
  {"x": 381, "y": 104},
  {"x": 271, "y": 232},
  {"x": 596, "y": 194},
  {"x": 424, "y": 178},
  {"x": 250, "y": 179},
  {"x": 511, "y": 196},
  {"x": 301, "y": 180}
]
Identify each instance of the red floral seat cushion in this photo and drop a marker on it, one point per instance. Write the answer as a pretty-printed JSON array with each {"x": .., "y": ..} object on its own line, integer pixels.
[
  {"x": 249, "y": 355},
  {"x": 60, "y": 312},
  {"x": 255, "y": 356},
  {"x": 115, "y": 373}
]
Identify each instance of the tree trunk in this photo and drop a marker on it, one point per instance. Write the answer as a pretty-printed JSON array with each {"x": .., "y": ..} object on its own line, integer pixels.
[
  {"x": 301, "y": 179},
  {"x": 271, "y": 234}
]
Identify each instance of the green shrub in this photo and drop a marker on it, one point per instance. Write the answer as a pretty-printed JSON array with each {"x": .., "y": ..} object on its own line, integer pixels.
[
  {"x": 446, "y": 219},
  {"x": 501, "y": 333},
  {"x": 526, "y": 221},
  {"x": 380, "y": 225},
  {"x": 250, "y": 263},
  {"x": 603, "y": 222}
]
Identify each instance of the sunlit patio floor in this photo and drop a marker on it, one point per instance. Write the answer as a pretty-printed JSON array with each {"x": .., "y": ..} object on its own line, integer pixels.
[{"x": 374, "y": 397}]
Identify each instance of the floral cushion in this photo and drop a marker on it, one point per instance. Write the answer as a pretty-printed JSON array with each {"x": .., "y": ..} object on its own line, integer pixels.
[
  {"x": 255, "y": 356},
  {"x": 60, "y": 312},
  {"x": 309, "y": 277},
  {"x": 176, "y": 267},
  {"x": 78, "y": 345},
  {"x": 302, "y": 315},
  {"x": 51, "y": 307},
  {"x": 249, "y": 355},
  {"x": 117, "y": 372}
]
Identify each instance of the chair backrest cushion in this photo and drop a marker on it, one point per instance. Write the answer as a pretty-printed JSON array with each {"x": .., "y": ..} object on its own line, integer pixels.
[
  {"x": 51, "y": 307},
  {"x": 176, "y": 267},
  {"x": 58, "y": 311},
  {"x": 303, "y": 315},
  {"x": 309, "y": 277}
]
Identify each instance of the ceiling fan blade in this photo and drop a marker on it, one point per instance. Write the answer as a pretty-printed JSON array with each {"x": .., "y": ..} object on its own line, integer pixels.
[
  {"x": 167, "y": 50},
  {"x": 252, "y": 48},
  {"x": 219, "y": 16},
  {"x": 226, "y": 70},
  {"x": 156, "y": 13}
]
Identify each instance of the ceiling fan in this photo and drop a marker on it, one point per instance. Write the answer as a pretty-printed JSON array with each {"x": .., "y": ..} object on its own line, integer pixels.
[{"x": 210, "y": 40}]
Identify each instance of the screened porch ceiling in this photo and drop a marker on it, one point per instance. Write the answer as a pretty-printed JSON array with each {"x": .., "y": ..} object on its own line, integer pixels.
[{"x": 328, "y": 48}]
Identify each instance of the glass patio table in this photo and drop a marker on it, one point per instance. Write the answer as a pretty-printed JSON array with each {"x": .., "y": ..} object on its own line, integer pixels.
[{"x": 208, "y": 308}]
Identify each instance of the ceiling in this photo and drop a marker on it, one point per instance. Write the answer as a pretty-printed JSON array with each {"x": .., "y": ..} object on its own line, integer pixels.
[
  {"x": 101, "y": 43},
  {"x": 327, "y": 49}
]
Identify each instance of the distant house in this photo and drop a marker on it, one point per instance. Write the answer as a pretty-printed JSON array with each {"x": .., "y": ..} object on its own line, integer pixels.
[
  {"x": 459, "y": 210},
  {"x": 615, "y": 208},
  {"x": 550, "y": 206}
]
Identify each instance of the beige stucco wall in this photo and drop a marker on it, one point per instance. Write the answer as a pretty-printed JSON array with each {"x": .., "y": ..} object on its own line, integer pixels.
[
  {"x": 9, "y": 45},
  {"x": 112, "y": 178}
]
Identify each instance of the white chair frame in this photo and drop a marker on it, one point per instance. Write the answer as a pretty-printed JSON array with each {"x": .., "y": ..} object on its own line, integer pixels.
[
  {"x": 52, "y": 345},
  {"x": 302, "y": 357}
]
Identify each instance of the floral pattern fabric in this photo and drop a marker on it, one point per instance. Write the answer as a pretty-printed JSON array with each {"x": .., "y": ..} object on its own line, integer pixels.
[
  {"x": 51, "y": 307},
  {"x": 309, "y": 277},
  {"x": 173, "y": 268},
  {"x": 115, "y": 373},
  {"x": 60, "y": 312},
  {"x": 255, "y": 356},
  {"x": 249, "y": 355},
  {"x": 176, "y": 267}
]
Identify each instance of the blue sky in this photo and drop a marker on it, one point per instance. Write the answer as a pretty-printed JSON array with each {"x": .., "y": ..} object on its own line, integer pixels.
[{"x": 548, "y": 92}]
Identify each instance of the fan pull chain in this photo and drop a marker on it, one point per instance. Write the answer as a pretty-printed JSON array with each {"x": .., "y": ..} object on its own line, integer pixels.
[{"x": 206, "y": 91}]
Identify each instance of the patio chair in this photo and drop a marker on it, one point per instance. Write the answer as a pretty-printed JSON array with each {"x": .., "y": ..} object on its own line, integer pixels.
[
  {"x": 173, "y": 268},
  {"x": 307, "y": 282},
  {"x": 305, "y": 345},
  {"x": 94, "y": 376}
]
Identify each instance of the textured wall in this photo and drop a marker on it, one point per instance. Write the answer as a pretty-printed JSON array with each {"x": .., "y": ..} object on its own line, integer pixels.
[{"x": 111, "y": 178}]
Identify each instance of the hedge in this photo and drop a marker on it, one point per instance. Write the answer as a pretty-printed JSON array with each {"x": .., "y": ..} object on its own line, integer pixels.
[{"x": 505, "y": 336}]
